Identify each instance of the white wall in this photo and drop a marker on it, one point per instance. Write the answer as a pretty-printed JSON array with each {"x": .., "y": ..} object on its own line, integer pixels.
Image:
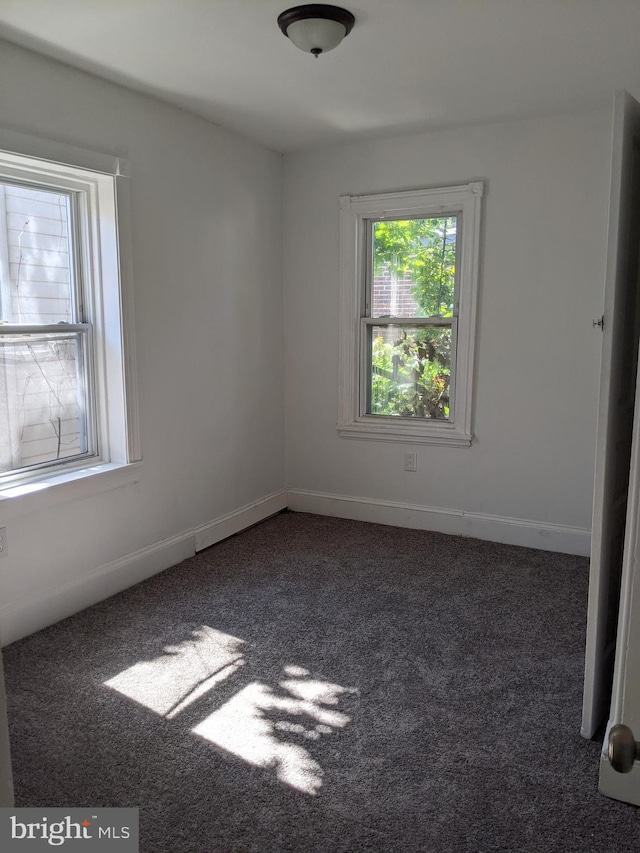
[
  {"x": 206, "y": 223},
  {"x": 528, "y": 476},
  {"x": 206, "y": 235}
]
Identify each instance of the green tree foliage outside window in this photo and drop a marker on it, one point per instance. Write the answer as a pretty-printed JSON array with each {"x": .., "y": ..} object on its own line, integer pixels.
[{"x": 411, "y": 364}]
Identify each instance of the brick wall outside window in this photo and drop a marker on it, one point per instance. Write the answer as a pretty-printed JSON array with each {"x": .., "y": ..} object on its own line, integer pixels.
[{"x": 394, "y": 298}]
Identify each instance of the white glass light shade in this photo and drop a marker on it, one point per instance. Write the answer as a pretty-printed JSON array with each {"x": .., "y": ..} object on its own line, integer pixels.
[{"x": 316, "y": 34}]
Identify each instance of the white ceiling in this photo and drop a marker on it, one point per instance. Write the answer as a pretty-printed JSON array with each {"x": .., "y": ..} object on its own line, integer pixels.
[{"x": 407, "y": 65}]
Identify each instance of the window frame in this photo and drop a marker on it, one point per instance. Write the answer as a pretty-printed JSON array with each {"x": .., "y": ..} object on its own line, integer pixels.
[
  {"x": 357, "y": 212},
  {"x": 99, "y": 186}
]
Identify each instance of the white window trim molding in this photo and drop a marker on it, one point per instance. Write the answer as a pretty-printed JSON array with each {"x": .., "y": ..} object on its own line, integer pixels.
[
  {"x": 465, "y": 200},
  {"x": 17, "y": 500},
  {"x": 117, "y": 362}
]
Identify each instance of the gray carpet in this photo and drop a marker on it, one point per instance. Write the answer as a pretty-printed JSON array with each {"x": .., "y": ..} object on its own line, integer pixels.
[{"x": 316, "y": 684}]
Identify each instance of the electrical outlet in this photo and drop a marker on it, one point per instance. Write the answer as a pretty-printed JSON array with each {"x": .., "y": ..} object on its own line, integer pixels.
[
  {"x": 411, "y": 461},
  {"x": 3, "y": 541}
]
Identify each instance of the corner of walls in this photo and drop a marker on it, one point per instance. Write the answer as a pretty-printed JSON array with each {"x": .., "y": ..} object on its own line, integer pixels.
[{"x": 239, "y": 520}]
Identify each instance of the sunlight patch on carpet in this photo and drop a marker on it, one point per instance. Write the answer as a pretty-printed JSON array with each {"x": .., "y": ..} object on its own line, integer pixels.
[
  {"x": 260, "y": 725},
  {"x": 183, "y": 673},
  {"x": 269, "y": 726}
]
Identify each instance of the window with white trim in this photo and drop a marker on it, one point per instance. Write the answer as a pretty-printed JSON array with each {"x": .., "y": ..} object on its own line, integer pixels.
[
  {"x": 409, "y": 273},
  {"x": 66, "y": 401}
]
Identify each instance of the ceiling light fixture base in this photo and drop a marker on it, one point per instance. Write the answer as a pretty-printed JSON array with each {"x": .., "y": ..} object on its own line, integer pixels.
[{"x": 316, "y": 28}]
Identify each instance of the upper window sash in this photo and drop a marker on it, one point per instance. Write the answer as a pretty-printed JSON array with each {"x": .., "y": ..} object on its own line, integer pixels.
[
  {"x": 369, "y": 257},
  {"x": 79, "y": 237}
]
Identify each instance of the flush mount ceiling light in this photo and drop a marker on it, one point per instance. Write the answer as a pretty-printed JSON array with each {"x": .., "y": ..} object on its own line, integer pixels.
[{"x": 316, "y": 28}]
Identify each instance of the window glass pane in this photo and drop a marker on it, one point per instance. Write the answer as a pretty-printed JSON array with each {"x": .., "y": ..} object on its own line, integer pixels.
[
  {"x": 414, "y": 267},
  {"x": 409, "y": 371},
  {"x": 36, "y": 269},
  {"x": 43, "y": 399}
]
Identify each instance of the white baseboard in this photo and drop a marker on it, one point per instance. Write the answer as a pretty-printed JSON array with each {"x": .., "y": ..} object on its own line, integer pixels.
[
  {"x": 232, "y": 523},
  {"x": 33, "y": 612},
  {"x": 494, "y": 528}
]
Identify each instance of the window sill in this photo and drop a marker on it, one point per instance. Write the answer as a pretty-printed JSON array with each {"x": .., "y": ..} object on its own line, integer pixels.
[
  {"x": 369, "y": 430},
  {"x": 30, "y": 497}
]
